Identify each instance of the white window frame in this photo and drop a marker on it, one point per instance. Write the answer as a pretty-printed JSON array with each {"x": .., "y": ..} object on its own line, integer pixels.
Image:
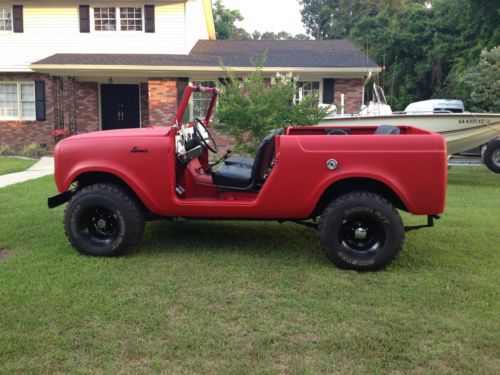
[
  {"x": 118, "y": 19},
  {"x": 320, "y": 90},
  {"x": 20, "y": 116},
  {"x": 11, "y": 19}
]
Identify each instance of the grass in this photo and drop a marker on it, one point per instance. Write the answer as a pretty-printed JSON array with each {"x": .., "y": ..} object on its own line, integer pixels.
[
  {"x": 232, "y": 297},
  {"x": 11, "y": 164}
]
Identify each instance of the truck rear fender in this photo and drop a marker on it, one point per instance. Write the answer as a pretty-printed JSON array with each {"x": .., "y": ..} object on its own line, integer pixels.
[{"x": 346, "y": 185}]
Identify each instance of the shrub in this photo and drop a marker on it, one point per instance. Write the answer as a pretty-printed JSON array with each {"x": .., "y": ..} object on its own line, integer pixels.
[
  {"x": 33, "y": 150},
  {"x": 251, "y": 107},
  {"x": 5, "y": 150}
]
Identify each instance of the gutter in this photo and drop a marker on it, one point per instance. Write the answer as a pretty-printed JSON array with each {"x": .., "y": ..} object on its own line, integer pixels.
[{"x": 80, "y": 68}]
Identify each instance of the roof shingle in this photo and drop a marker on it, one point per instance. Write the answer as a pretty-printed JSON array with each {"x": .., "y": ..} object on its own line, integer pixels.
[{"x": 235, "y": 53}]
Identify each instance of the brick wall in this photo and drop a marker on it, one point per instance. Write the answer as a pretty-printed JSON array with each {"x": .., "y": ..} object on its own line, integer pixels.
[
  {"x": 143, "y": 92},
  {"x": 352, "y": 89},
  {"x": 158, "y": 107},
  {"x": 87, "y": 107},
  {"x": 18, "y": 133},
  {"x": 162, "y": 100}
]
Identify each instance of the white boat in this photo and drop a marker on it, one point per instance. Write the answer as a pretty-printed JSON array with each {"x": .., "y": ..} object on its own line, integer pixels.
[{"x": 462, "y": 130}]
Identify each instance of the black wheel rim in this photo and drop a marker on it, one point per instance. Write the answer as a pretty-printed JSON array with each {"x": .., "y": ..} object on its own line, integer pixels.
[
  {"x": 99, "y": 226},
  {"x": 362, "y": 235}
]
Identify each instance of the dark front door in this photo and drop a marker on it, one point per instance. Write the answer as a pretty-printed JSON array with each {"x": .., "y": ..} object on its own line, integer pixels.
[{"x": 120, "y": 106}]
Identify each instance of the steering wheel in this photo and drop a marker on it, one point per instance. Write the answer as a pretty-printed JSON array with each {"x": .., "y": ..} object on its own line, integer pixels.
[{"x": 202, "y": 133}]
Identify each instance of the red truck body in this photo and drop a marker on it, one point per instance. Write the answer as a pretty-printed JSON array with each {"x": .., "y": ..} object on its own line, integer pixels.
[
  {"x": 166, "y": 172},
  {"x": 413, "y": 165}
]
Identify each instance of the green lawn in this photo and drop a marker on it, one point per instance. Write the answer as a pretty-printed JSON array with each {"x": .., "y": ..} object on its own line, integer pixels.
[
  {"x": 233, "y": 297},
  {"x": 11, "y": 165}
]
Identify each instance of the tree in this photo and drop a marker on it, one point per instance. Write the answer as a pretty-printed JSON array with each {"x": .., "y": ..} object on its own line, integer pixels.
[
  {"x": 316, "y": 17},
  {"x": 281, "y": 35},
  {"x": 483, "y": 82},
  {"x": 251, "y": 107},
  {"x": 425, "y": 51},
  {"x": 225, "y": 28},
  {"x": 241, "y": 34},
  {"x": 224, "y": 19},
  {"x": 334, "y": 19}
]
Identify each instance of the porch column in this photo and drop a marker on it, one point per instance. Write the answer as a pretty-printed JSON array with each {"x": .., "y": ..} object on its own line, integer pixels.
[{"x": 162, "y": 101}]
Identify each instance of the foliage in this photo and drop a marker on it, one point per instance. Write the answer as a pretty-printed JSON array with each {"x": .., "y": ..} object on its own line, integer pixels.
[
  {"x": 401, "y": 44},
  {"x": 241, "y": 297},
  {"x": 241, "y": 34},
  {"x": 33, "y": 150},
  {"x": 225, "y": 19},
  {"x": 334, "y": 19},
  {"x": 483, "y": 82},
  {"x": 5, "y": 149},
  {"x": 282, "y": 35},
  {"x": 425, "y": 50},
  {"x": 251, "y": 107}
]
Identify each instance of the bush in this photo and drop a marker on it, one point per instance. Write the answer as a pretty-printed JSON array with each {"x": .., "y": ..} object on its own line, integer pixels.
[
  {"x": 33, "y": 150},
  {"x": 5, "y": 150},
  {"x": 483, "y": 83},
  {"x": 252, "y": 107}
]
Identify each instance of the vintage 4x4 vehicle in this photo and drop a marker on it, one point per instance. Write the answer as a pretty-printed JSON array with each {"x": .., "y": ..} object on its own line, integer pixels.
[{"x": 352, "y": 180}]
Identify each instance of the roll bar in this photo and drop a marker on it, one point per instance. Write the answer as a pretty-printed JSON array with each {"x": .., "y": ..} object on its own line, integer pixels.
[{"x": 185, "y": 101}]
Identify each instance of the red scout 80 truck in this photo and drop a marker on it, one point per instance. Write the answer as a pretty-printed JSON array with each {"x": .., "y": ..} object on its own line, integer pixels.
[{"x": 347, "y": 183}]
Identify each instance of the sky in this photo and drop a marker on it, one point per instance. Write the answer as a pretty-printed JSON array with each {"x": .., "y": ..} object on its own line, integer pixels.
[{"x": 268, "y": 15}]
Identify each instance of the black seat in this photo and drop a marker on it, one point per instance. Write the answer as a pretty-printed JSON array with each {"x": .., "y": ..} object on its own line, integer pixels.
[
  {"x": 387, "y": 129},
  {"x": 241, "y": 177},
  {"x": 240, "y": 160}
]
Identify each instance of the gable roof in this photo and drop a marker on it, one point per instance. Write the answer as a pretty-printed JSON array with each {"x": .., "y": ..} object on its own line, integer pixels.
[
  {"x": 240, "y": 55},
  {"x": 283, "y": 53}
]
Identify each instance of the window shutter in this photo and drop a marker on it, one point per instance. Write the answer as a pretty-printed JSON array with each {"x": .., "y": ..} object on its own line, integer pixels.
[
  {"x": 17, "y": 12},
  {"x": 182, "y": 83},
  {"x": 40, "y": 100},
  {"x": 84, "y": 12},
  {"x": 328, "y": 90},
  {"x": 149, "y": 16}
]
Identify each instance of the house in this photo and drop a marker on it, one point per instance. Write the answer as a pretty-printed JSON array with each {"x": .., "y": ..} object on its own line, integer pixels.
[{"x": 69, "y": 67}]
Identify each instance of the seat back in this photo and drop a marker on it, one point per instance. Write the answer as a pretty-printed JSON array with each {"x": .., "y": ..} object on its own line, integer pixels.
[
  {"x": 387, "y": 129},
  {"x": 264, "y": 157}
]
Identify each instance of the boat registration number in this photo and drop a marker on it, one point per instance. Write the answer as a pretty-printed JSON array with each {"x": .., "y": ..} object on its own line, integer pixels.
[{"x": 474, "y": 121}]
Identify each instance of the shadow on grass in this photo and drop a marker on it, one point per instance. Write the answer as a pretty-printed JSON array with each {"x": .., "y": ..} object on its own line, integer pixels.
[{"x": 261, "y": 239}]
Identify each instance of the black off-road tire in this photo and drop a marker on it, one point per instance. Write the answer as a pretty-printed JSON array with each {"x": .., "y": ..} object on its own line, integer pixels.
[
  {"x": 103, "y": 220},
  {"x": 350, "y": 217},
  {"x": 492, "y": 156}
]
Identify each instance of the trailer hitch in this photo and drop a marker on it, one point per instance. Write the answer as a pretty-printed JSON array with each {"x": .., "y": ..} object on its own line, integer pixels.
[{"x": 430, "y": 223}]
